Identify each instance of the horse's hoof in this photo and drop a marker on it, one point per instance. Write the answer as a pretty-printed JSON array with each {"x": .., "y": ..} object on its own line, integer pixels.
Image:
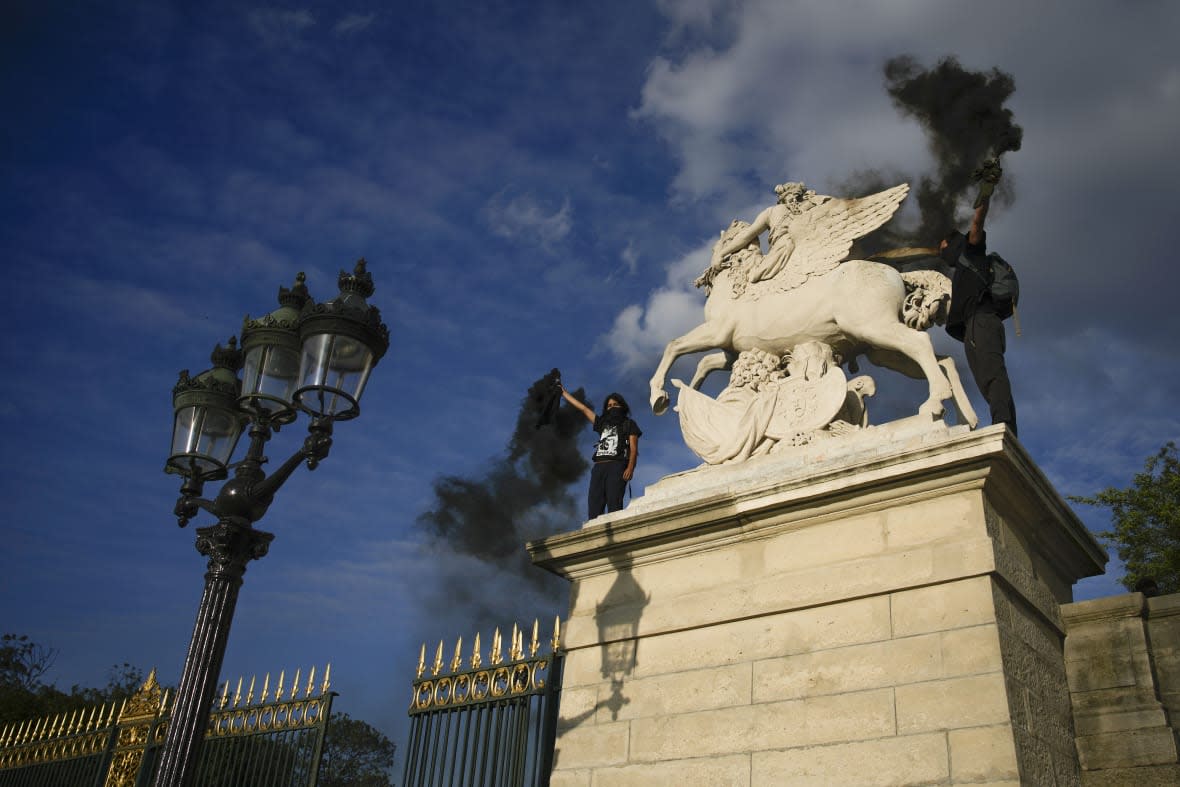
[
  {"x": 659, "y": 403},
  {"x": 934, "y": 410}
]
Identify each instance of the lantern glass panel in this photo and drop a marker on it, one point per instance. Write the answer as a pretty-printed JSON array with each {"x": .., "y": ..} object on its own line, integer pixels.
[
  {"x": 205, "y": 435},
  {"x": 269, "y": 376},
  {"x": 333, "y": 372}
]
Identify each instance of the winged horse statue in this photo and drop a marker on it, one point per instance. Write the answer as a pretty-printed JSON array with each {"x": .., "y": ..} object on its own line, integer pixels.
[{"x": 804, "y": 290}]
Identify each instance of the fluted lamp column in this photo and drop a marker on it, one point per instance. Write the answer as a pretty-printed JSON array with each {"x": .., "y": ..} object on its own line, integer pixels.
[{"x": 308, "y": 357}]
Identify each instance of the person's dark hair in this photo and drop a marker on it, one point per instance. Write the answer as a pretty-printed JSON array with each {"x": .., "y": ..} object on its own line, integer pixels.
[{"x": 618, "y": 398}]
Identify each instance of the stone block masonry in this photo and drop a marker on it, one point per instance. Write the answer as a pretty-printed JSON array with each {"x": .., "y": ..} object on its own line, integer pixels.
[{"x": 882, "y": 612}]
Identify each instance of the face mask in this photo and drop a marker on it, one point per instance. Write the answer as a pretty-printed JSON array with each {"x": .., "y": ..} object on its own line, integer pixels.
[{"x": 614, "y": 415}]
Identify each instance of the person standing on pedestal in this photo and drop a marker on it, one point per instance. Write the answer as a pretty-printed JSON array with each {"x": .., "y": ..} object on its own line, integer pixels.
[
  {"x": 973, "y": 318},
  {"x": 615, "y": 453}
]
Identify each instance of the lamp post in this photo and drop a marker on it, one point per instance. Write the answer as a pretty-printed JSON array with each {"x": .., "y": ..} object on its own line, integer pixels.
[{"x": 314, "y": 358}]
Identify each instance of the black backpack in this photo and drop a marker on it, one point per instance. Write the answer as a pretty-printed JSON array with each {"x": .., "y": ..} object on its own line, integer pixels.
[{"x": 1003, "y": 286}]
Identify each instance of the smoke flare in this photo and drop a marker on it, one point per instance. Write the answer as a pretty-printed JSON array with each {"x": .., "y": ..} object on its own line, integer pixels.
[
  {"x": 963, "y": 115},
  {"x": 523, "y": 495}
]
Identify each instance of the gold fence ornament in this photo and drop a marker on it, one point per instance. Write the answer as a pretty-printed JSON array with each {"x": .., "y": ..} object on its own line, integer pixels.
[
  {"x": 110, "y": 743},
  {"x": 517, "y": 672},
  {"x": 457, "y": 661},
  {"x": 139, "y": 716}
]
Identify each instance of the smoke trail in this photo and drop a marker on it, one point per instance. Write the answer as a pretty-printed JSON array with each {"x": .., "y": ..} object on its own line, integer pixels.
[
  {"x": 963, "y": 115},
  {"x": 523, "y": 495}
]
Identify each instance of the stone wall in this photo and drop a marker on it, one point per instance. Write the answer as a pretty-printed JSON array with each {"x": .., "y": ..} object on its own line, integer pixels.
[
  {"x": 1122, "y": 657},
  {"x": 885, "y": 617}
]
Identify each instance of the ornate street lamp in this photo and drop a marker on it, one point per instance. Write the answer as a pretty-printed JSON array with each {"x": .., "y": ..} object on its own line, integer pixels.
[{"x": 314, "y": 358}]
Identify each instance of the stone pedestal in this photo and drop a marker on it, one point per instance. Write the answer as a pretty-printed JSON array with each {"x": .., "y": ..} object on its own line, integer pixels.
[
  {"x": 1121, "y": 656},
  {"x": 875, "y": 611}
]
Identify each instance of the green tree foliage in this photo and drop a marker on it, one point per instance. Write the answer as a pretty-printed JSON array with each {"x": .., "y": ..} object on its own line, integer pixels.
[
  {"x": 1146, "y": 518},
  {"x": 23, "y": 694},
  {"x": 23, "y": 662},
  {"x": 355, "y": 755}
]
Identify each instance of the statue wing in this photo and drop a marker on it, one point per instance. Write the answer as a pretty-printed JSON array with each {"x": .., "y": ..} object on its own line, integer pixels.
[{"x": 823, "y": 235}]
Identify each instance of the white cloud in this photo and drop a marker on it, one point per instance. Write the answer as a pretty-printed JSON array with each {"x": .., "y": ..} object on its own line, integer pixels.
[
  {"x": 630, "y": 257},
  {"x": 524, "y": 217},
  {"x": 279, "y": 27},
  {"x": 640, "y": 332},
  {"x": 353, "y": 23}
]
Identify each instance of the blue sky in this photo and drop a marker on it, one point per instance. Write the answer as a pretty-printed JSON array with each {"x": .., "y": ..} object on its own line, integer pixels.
[{"x": 533, "y": 185}]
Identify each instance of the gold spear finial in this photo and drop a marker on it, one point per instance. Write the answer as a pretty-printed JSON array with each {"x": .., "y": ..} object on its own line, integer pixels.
[
  {"x": 327, "y": 679},
  {"x": 295, "y": 683},
  {"x": 310, "y": 682},
  {"x": 224, "y": 697},
  {"x": 476, "y": 659},
  {"x": 496, "y": 657},
  {"x": 457, "y": 661},
  {"x": 265, "y": 689},
  {"x": 279, "y": 689},
  {"x": 535, "y": 645},
  {"x": 438, "y": 660},
  {"x": 556, "y": 633},
  {"x": 513, "y": 654},
  {"x": 250, "y": 694},
  {"x": 238, "y": 692},
  {"x": 421, "y": 662}
]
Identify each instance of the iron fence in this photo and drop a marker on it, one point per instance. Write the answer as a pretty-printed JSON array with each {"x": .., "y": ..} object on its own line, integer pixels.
[
  {"x": 276, "y": 741},
  {"x": 485, "y": 726}
]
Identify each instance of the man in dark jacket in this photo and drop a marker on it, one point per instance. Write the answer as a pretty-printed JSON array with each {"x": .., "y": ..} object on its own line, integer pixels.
[{"x": 973, "y": 319}]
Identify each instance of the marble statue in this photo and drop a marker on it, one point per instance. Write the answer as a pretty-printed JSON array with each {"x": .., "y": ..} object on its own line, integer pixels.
[{"x": 786, "y": 321}]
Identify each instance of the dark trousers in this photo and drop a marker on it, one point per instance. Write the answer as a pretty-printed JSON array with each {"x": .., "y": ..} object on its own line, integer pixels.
[
  {"x": 985, "y": 343},
  {"x": 606, "y": 487}
]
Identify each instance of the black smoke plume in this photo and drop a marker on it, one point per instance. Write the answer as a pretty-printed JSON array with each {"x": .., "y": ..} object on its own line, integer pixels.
[
  {"x": 963, "y": 115},
  {"x": 524, "y": 494}
]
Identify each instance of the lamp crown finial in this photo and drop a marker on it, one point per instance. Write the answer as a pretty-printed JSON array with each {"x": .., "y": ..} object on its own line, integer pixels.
[
  {"x": 228, "y": 357},
  {"x": 359, "y": 281}
]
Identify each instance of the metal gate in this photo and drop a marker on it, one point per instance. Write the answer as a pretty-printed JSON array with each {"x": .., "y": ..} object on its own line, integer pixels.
[
  {"x": 485, "y": 726},
  {"x": 274, "y": 742}
]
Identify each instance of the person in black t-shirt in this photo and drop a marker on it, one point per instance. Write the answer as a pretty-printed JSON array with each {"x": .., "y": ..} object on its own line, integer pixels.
[
  {"x": 615, "y": 452},
  {"x": 973, "y": 319}
]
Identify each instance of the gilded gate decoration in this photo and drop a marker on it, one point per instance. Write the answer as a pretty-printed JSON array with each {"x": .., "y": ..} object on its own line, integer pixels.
[
  {"x": 140, "y": 726},
  {"x": 485, "y": 725},
  {"x": 274, "y": 742}
]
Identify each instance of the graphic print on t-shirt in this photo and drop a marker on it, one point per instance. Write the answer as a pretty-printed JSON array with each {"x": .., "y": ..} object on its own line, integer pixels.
[{"x": 608, "y": 444}]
